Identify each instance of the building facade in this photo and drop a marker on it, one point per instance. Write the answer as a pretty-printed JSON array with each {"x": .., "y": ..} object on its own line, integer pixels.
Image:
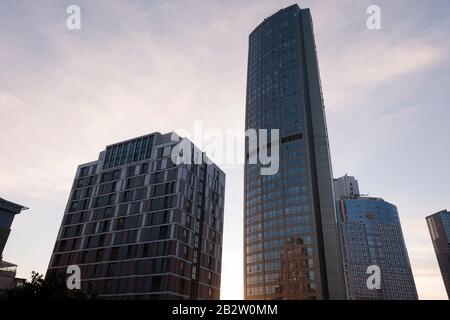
[
  {"x": 345, "y": 187},
  {"x": 140, "y": 226},
  {"x": 291, "y": 243},
  {"x": 8, "y": 210},
  {"x": 371, "y": 235},
  {"x": 439, "y": 226}
]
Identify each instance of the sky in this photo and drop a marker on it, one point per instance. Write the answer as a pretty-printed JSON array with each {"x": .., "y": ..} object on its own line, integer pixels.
[{"x": 137, "y": 67}]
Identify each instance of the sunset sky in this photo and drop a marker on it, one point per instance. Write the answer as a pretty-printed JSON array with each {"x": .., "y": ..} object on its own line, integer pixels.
[{"x": 136, "y": 67}]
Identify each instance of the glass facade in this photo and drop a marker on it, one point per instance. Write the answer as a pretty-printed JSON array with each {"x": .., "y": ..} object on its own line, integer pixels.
[
  {"x": 439, "y": 226},
  {"x": 371, "y": 234},
  {"x": 141, "y": 227},
  {"x": 128, "y": 151},
  {"x": 291, "y": 244}
]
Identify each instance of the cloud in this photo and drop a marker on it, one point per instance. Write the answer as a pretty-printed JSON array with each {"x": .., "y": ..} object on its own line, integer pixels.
[{"x": 355, "y": 73}]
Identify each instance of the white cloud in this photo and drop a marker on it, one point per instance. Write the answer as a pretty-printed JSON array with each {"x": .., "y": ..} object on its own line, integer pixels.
[{"x": 355, "y": 73}]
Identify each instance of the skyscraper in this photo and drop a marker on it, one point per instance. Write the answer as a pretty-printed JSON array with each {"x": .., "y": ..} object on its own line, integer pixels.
[
  {"x": 142, "y": 227},
  {"x": 371, "y": 235},
  {"x": 439, "y": 226},
  {"x": 291, "y": 248},
  {"x": 8, "y": 210}
]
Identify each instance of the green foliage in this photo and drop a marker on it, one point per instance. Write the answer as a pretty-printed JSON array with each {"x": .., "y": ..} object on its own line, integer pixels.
[{"x": 52, "y": 287}]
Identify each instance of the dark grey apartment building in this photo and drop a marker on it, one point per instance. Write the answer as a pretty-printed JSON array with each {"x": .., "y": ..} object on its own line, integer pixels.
[
  {"x": 8, "y": 211},
  {"x": 439, "y": 226},
  {"x": 291, "y": 248},
  {"x": 142, "y": 227}
]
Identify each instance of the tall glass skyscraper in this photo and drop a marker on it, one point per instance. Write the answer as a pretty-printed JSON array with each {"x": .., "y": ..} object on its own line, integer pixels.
[
  {"x": 439, "y": 226},
  {"x": 372, "y": 236},
  {"x": 291, "y": 244}
]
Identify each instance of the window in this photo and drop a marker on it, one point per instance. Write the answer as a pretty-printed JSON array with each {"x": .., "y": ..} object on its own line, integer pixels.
[
  {"x": 62, "y": 245},
  {"x": 69, "y": 218},
  {"x": 131, "y": 171},
  {"x": 120, "y": 224},
  {"x": 145, "y": 167},
  {"x": 111, "y": 175},
  {"x": 76, "y": 195},
  {"x": 188, "y": 221},
  {"x": 101, "y": 240},
  {"x": 83, "y": 256},
  {"x": 156, "y": 283},
  {"x": 195, "y": 258},
  {"x": 184, "y": 252},
  {"x": 166, "y": 151},
  {"x": 159, "y": 177},
  {"x": 211, "y": 248},
  {"x": 185, "y": 235},
  {"x": 146, "y": 250},
  {"x": 116, "y": 174},
  {"x": 135, "y": 207},
  {"x": 108, "y": 285},
  {"x": 129, "y": 252},
  {"x": 88, "y": 192},
  {"x": 163, "y": 232},
  {"x": 128, "y": 196},
  {"x": 111, "y": 269},
  {"x": 188, "y": 205},
  {"x": 84, "y": 171},
  {"x": 105, "y": 226},
  {"x": 209, "y": 261},
  {"x": 78, "y": 230},
  {"x": 126, "y": 152},
  {"x": 56, "y": 260},
  {"x": 196, "y": 241},
  {"x": 197, "y": 226},
  {"x": 88, "y": 242},
  {"x": 109, "y": 212},
  {"x": 172, "y": 174},
  {"x": 115, "y": 253},
  {"x": 181, "y": 267},
  {"x": 99, "y": 255}
]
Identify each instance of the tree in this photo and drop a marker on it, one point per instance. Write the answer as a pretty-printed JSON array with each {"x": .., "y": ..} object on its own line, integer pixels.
[{"x": 52, "y": 287}]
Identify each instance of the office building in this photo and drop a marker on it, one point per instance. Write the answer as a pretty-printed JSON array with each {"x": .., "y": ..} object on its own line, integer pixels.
[
  {"x": 142, "y": 227},
  {"x": 371, "y": 235},
  {"x": 291, "y": 243},
  {"x": 439, "y": 226}
]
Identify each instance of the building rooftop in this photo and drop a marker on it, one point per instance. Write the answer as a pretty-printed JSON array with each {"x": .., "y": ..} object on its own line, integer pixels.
[
  {"x": 11, "y": 206},
  {"x": 291, "y": 7},
  {"x": 438, "y": 213}
]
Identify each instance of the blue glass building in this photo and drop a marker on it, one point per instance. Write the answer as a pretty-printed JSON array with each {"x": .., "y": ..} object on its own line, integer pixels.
[
  {"x": 291, "y": 247},
  {"x": 439, "y": 226},
  {"x": 371, "y": 234}
]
